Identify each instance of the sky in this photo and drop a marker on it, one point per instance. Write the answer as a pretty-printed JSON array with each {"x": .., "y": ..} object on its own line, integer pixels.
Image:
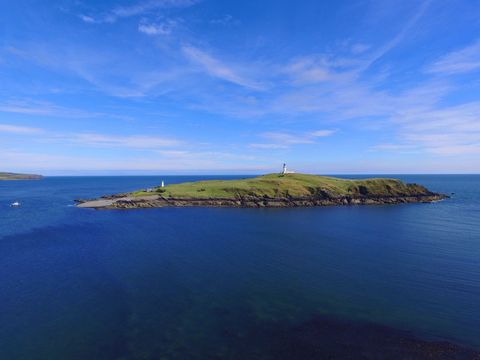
[{"x": 239, "y": 87}]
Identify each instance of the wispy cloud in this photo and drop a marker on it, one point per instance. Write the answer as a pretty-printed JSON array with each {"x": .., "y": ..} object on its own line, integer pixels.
[
  {"x": 38, "y": 161},
  {"x": 146, "y": 6},
  {"x": 379, "y": 53},
  {"x": 113, "y": 73},
  {"x": 269, "y": 146},
  {"x": 309, "y": 70},
  {"x": 137, "y": 9},
  {"x": 457, "y": 62},
  {"x": 14, "y": 129},
  {"x": 202, "y": 154},
  {"x": 43, "y": 108},
  {"x": 287, "y": 138},
  {"x": 359, "y": 48},
  {"x": 173, "y": 153},
  {"x": 334, "y": 85},
  {"x": 218, "y": 69},
  {"x": 282, "y": 140},
  {"x": 422, "y": 120},
  {"x": 225, "y": 20},
  {"x": 92, "y": 140},
  {"x": 144, "y": 152},
  {"x": 87, "y": 19},
  {"x": 29, "y": 108},
  {"x": 444, "y": 131},
  {"x": 323, "y": 133},
  {"x": 447, "y": 131},
  {"x": 134, "y": 142},
  {"x": 162, "y": 28},
  {"x": 390, "y": 147}
]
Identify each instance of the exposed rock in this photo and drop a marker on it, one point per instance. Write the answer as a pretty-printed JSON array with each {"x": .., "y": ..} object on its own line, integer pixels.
[{"x": 155, "y": 201}]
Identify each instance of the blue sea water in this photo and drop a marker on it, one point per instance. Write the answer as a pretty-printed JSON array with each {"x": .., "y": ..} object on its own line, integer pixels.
[{"x": 180, "y": 283}]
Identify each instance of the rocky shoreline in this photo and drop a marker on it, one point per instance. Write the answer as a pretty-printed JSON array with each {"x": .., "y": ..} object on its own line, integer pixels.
[{"x": 124, "y": 201}]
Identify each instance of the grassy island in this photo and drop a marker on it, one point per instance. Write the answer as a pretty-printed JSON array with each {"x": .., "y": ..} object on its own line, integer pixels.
[
  {"x": 13, "y": 176},
  {"x": 288, "y": 185},
  {"x": 272, "y": 190}
]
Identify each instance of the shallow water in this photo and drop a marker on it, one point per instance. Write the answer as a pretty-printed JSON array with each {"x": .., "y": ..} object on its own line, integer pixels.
[{"x": 213, "y": 282}]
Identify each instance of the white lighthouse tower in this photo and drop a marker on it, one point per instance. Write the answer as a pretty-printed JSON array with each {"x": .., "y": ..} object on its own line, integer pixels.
[{"x": 285, "y": 171}]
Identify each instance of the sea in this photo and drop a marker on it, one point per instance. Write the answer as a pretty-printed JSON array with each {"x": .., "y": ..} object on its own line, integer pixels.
[{"x": 232, "y": 283}]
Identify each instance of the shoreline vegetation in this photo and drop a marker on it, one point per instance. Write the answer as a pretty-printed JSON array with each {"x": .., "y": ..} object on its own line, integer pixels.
[
  {"x": 271, "y": 190},
  {"x": 14, "y": 176}
]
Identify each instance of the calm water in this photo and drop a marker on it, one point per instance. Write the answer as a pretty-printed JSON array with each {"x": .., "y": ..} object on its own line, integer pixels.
[{"x": 200, "y": 282}]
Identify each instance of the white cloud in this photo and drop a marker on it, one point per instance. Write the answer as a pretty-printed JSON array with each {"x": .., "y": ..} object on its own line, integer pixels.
[
  {"x": 13, "y": 129},
  {"x": 359, "y": 48},
  {"x": 145, "y": 6},
  {"x": 137, "y": 9},
  {"x": 281, "y": 140},
  {"x": 451, "y": 130},
  {"x": 42, "y": 108},
  {"x": 173, "y": 153},
  {"x": 29, "y": 108},
  {"x": 419, "y": 12},
  {"x": 309, "y": 70},
  {"x": 394, "y": 147},
  {"x": 156, "y": 160},
  {"x": 135, "y": 141},
  {"x": 21, "y": 161},
  {"x": 218, "y": 69},
  {"x": 119, "y": 74},
  {"x": 225, "y": 20},
  {"x": 452, "y": 150},
  {"x": 202, "y": 155},
  {"x": 320, "y": 85},
  {"x": 139, "y": 142},
  {"x": 324, "y": 84},
  {"x": 164, "y": 28},
  {"x": 323, "y": 133},
  {"x": 267, "y": 146},
  {"x": 461, "y": 61},
  {"x": 87, "y": 19}
]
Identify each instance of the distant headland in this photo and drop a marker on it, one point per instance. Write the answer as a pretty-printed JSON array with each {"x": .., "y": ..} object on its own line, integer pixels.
[
  {"x": 14, "y": 176},
  {"x": 286, "y": 189}
]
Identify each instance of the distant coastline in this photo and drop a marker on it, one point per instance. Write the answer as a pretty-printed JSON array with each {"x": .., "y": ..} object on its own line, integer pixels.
[
  {"x": 15, "y": 176},
  {"x": 272, "y": 190}
]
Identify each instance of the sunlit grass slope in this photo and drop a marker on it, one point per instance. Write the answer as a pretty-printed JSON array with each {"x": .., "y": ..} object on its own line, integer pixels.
[{"x": 288, "y": 185}]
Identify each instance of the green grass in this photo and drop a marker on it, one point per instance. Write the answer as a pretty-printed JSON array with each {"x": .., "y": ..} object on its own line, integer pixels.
[
  {"x": 280, "y": 186},
  {"x": 13, "y": 176}
]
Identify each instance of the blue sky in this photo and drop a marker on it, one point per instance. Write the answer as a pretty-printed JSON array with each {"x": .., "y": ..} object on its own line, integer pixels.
[{"x": 227, "y": 86}]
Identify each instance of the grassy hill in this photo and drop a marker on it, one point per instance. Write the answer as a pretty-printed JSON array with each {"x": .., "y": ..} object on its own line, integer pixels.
[
  {"x": 13, "y": 176},
  {"x": 288, "y": 185}
]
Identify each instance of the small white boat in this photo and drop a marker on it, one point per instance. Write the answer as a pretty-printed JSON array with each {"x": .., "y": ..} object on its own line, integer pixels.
[{"x": 15, "y": 204}]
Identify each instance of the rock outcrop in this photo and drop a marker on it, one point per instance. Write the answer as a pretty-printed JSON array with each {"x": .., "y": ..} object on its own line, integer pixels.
[{"x": 156, "y": 201}]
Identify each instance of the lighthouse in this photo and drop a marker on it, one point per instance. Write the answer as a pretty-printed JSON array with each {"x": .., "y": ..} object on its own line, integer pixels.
[{"x": 285, "y": 171}]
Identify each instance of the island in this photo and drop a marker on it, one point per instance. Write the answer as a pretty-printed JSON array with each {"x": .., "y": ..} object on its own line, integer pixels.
[
  {"x": 272, "y": 190},
  {"x": 14, "y": 176}
]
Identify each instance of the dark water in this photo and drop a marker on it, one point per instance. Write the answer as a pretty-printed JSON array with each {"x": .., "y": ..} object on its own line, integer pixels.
[{"x": 212, "y": 283}]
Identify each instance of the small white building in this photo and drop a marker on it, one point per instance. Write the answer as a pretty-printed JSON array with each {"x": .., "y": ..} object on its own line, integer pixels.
[{"x": 285, "y": 171}]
